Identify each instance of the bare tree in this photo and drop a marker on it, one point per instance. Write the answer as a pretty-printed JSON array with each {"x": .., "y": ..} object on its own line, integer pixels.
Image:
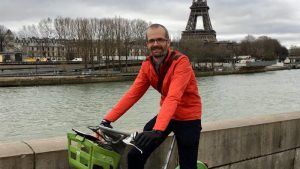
[
  {"x": 34, "y": 31},
  {"x": 99, "y": 28},
  {"x": 47, "y": 31},
  {"x": 77, "y": 36},
  {"x": 72, "y": 41},
  {"x": 108, "y": 42},
  {"x": 3, "y": 31},
  {"x": 87, "y": 38},
  {"x": 83, "y": 37},
  {"x": 9, "y": 41},
  {"x": 90, "y": 33},
  {"x": 62, "y": 27},
  {"x": 23, "y": 33},
  {"x": 28, "y": 31},
  {"x": 128, "y": 40},
  {"x": 118, "y": 29},
  {"x": 46, "y": 28},
  {"x": 138, "y": 29}
]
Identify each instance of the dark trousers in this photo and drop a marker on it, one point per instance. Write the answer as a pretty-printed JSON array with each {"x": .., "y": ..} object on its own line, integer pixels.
[{"x": 187, "y": 134}]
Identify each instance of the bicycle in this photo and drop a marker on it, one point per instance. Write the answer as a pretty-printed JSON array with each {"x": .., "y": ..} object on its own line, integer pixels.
[{"x": 88, "y": 152}]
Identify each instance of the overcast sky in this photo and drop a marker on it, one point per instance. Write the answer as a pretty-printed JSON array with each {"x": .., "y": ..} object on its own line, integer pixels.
[{"x": 231, "y": 19}]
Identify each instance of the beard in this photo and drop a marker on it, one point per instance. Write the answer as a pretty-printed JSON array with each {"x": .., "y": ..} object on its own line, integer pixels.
[{"x": 156, "y": 54}]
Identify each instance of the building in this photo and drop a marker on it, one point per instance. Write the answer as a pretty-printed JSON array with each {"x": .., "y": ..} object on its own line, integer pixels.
[
  {"x": 292, "y": 59},
  {"x": 40, "y": 48},
  {"x": 11, "y": 57}
]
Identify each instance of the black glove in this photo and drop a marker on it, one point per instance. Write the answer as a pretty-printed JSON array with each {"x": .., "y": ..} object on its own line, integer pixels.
[
  {"x": 147, "y": 137},
  {"x": 106, "y": 123}
]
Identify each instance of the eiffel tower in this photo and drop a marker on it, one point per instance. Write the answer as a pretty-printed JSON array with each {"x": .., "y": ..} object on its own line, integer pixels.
[{"x": 199, "y": 8}]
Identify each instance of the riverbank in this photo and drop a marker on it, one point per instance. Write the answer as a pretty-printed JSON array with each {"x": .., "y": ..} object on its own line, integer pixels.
[
  {"x": 62, "y": 79},
  {"x": 214, "y": 73},
  {"x": 13, "y": 81}
]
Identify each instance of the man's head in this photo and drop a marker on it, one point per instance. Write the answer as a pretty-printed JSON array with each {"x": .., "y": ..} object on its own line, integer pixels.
[{"x": 158, "y": 40}]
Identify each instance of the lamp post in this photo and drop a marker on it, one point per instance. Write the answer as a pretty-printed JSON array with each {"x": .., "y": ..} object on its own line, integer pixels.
[
  {"x": 128, "y": 46},
  {"x": 36, "y": 63}
]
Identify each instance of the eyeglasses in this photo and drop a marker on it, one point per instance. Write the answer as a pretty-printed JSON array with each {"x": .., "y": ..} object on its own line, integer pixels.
[{"x": 158, "y": 41}]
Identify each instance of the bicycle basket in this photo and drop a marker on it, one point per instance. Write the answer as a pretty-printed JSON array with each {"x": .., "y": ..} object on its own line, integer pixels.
[{"x": 86, "y": 154}]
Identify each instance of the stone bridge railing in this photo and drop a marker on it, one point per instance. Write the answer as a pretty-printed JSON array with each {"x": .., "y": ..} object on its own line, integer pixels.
[{"x": 259, "y": 142}]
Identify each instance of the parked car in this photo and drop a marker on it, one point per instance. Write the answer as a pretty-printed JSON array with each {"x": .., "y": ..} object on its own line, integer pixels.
[{"x": 77, "y": 60}]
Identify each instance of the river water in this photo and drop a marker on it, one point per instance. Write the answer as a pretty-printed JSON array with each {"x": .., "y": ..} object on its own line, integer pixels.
[{"x": 50, "y": 111}]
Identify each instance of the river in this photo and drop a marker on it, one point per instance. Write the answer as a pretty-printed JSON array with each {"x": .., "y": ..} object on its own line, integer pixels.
[{"x": 49, "y": 111}]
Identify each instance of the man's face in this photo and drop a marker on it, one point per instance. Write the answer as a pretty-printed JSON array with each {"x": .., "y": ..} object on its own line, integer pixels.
[{"x": 157, "y": 43}]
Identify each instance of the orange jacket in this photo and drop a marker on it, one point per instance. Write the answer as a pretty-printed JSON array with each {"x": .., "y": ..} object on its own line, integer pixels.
[{"x": 180, "y": 99}]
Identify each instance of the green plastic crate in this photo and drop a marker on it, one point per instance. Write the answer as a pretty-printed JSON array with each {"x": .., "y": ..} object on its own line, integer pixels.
[
  {"x": 200, "y": 165},
  {"x": 85, "y": 154}
]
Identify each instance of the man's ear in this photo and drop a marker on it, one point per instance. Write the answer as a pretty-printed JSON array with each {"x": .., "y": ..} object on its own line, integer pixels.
[{"x": 169, "y": 43}]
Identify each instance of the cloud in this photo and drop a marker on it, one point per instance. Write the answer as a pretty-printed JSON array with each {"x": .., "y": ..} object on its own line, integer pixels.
[{"x": 232, "y": 19}]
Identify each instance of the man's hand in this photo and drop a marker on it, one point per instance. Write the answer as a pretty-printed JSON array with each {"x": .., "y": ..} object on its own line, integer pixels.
[
  {"x": 145, "y": 138},
  {"x": 98, "y": 133},
  {"x": 106, "y": 123}
]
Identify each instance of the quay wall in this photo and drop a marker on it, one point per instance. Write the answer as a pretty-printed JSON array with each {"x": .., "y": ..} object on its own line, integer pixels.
[
  {"x": 59, "y": 80},
  {"x": 258, "y": 142},
  {"x": 38, "y": 80}
]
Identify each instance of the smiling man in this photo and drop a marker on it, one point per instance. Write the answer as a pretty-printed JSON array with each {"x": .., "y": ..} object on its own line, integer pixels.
[{"x": 171, "y": 74}]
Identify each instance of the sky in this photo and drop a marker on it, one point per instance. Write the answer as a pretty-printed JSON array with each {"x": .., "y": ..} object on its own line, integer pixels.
[{"x": 231, "y": 19}]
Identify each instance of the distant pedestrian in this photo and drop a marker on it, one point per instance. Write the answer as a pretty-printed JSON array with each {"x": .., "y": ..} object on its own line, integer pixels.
[{"x": 171, "y": 74}]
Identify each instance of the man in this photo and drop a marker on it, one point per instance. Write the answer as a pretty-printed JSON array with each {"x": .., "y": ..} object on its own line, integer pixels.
[{"x": 171, "y": 74}]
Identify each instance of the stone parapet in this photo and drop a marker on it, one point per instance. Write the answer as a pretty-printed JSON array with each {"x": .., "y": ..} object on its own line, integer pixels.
[{"x": 269, "y": 141}]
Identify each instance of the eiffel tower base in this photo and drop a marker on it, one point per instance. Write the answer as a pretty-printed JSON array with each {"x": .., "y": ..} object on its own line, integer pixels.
[{"x": 199, "y": 35}]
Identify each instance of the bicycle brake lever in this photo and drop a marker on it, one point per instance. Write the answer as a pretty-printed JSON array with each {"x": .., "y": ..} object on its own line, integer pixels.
[{"x": 128, "y": 140}]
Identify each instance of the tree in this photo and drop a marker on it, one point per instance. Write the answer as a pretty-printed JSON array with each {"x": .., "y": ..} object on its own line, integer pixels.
[
  {"x": 6, "y": 39},
  {"x": 89, "y": 37},
  {"x": 63, "y": 30},
  {"x": 138, "y": 29},
  {"x": 29, "y": 31},
  {"x": 47, "y": 31},
  {"x": 99, "y": 28},
  {"x": 128, "y": 40},
  {"x": 108, "y": 41},
  {"x": 84, "y": 39},
  {"x": 295, "y": 51},
  {"x": 247, "y": 46},
  {"x": 283, "y": 53},
  {"x": 118, "y": 27},
  {"x": 264, "y": 48},
  {"x": 46, "y": 28},
  {"x": 3, "y": 31},
  {"x": 9, "y": 41}
]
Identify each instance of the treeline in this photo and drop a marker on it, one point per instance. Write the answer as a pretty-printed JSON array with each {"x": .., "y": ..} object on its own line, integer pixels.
[
  {"x": 90, "y": 37},
  {"x": 262, "y": 48}
]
